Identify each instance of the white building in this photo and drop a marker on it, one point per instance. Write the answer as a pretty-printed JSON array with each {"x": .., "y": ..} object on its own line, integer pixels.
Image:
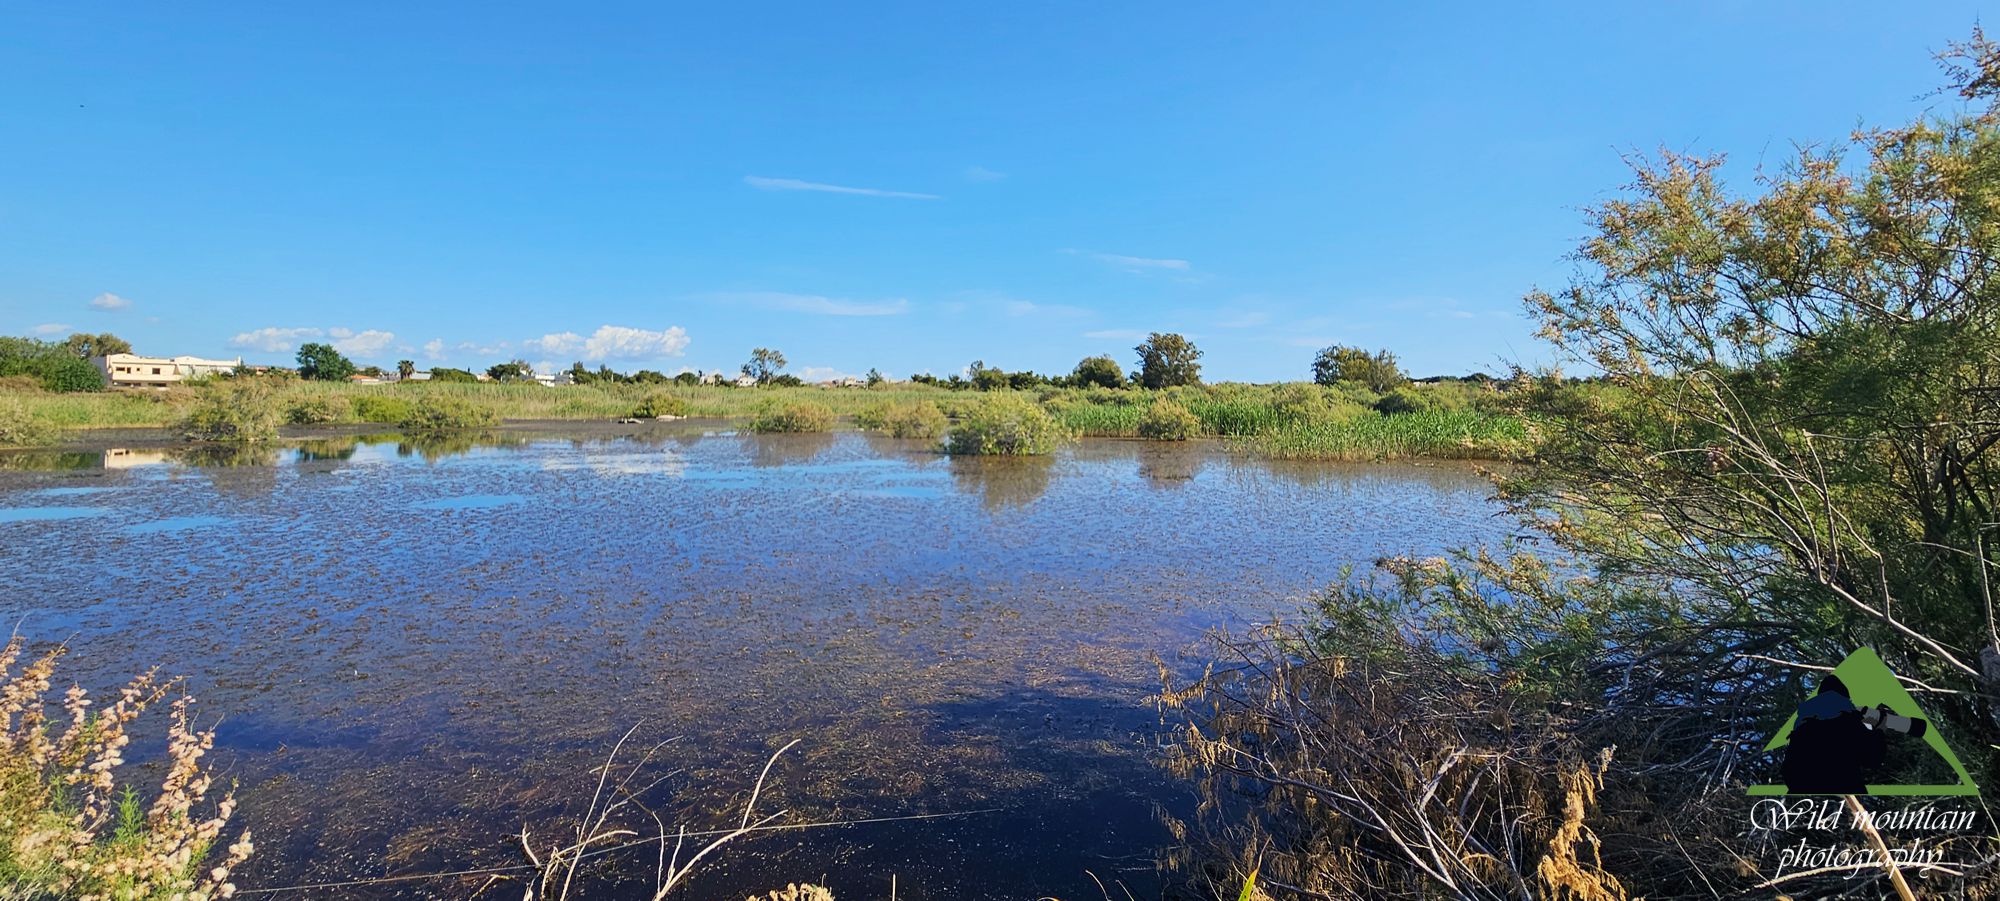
[{"x": 134, "y": 371}]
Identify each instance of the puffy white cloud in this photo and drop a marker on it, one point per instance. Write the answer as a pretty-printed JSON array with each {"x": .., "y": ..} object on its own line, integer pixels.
[
  {"x": 274, "y": 340},
  {"x": 434, "y": 349},
  {"x": 361, "y": 344},
  {"x": 618, "y": 342},
  {"x": 556, "y": 343},
  {"x": 368, "y": 343},
  {"x": 109, "y": 301}
]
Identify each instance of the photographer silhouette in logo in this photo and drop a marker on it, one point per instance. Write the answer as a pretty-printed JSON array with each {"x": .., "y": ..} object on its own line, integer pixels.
[{"x": 1834, "y": 744}]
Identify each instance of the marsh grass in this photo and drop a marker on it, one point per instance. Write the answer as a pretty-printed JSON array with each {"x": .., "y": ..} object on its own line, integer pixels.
[
  {"x": 67, "y": 829},
  {"x": 1005, "y": 426},
  {"x": 1431, "y": 434},
  {"x": 1168, "y": 421},
  {"x": 905, "y": 419},
  {"x": 1296, "y": 420},
  {"x": 445, "y": 413},
  {"x": 19, "y": 427},
  {"x": 793, "y": 416},
  {"x": 234, "y": 412}
]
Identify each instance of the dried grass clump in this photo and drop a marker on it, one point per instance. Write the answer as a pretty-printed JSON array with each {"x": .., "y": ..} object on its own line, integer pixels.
[
  {"x": 1379, "y": 776},
  {"x": 797, "y": 892},
  {"x": 67, "y": 831}
]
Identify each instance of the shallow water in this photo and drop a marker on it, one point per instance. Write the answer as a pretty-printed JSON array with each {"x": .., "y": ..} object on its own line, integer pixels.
[{"x": 415, "y": 649}]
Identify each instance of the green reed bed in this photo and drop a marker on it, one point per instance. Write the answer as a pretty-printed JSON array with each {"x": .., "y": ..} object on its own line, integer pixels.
[{"x": 1433, "y": 434}]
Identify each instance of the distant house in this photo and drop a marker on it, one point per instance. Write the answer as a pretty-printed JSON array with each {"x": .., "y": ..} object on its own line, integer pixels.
[
  {"x": 712, "y": 378},
  {"x": 844, "y": 382},
  {"x": 561, "y": 379},
  {"x": 134, "y": 371},
  {"x": 420, "y": 375},
  {"x": 359, "y": 379},
  {"x": 744, "y": 381}
]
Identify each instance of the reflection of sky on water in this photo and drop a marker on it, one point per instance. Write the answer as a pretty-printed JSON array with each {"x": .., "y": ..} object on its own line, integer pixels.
[{"x": 417, "y": 646}]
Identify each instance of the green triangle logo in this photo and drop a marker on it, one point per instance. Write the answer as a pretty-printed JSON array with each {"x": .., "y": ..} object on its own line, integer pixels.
[{"x": 1868, "y": 684}]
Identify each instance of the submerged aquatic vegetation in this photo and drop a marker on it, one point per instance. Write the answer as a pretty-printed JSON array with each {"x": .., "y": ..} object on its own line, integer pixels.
[{"x": 66, "y": 828}]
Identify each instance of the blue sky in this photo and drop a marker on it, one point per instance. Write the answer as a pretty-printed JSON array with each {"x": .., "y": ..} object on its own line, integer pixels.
[{"x": 906, "y": 186}]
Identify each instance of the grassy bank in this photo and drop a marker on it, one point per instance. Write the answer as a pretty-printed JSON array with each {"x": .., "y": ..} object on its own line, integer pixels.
[{"x": 1301, "y": 421}]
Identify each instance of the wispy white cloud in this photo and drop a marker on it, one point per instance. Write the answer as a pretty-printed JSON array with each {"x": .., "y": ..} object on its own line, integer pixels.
[
  {"x": 792, "y": 184},
  {"x": 818, "y": 305},
  {"x": 1054, "y": 310},
  {"x": 52, "y": 328},
  {"x": 1249, "y": 319},
  {"x": 109, "y": 301},
  {"x": 981, "y": 173},
  {"x": 1138, "y": 265},
  {"x": 434, "y": 349}
]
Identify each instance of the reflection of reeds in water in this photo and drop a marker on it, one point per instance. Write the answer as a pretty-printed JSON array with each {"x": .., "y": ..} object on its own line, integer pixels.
[
  {"x": 1003, "y": 482},
  {"x": 785, "y": 448},
  {"x": 435, "y": 446}
]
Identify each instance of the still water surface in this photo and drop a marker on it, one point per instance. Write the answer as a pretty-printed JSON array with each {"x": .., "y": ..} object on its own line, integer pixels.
[{"x": 416, "y": 649}]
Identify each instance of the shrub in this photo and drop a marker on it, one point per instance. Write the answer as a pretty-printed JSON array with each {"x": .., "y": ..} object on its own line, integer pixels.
[
  {"x": 381, "y": 408},
  {"x": 1006, "y": 426},
  {"x": 447, "y": 375},
  {"x": 62, "y": 372},
  {"x": 237, "y": 411},
  {"x": 793, "y": 416},
  {"x": 312, "y": 411},
  {"x": 66, "y": 831},
  {"x": 20, "y": 428},
  {"x": 919, "y": 419},
  {"x": 1168, "y": 421},
  {"x": 658, "y": 405},
  {"x": 443, "y": 413}
]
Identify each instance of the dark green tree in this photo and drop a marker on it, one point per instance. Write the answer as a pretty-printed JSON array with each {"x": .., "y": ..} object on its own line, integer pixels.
[
  {"x": 321, "y": 362},
  {"x": 511, "y": 371},
  {"x": 1352, "y": 364},
  {"x": 764, "y": 365},
  {"x": 405, "y": 369},
  {"x": 1100, "y": 371},
  {"x": 85, "y": 345},
  {"x": 1168, "y": 360}
]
